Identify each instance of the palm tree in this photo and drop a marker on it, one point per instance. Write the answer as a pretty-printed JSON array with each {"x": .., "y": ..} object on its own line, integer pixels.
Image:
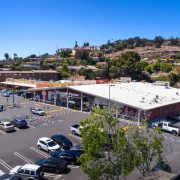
[{"x": 6, "y": 55}]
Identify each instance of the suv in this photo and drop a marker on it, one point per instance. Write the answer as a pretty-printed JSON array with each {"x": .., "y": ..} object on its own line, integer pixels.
[
  {"x": 19, "y": 122},
  {"x": 47, "y": 144},
  {"x": 28, "y": 172}
]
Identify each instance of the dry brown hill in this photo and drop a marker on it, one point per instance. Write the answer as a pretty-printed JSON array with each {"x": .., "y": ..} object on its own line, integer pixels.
[{"x": 149, "y": 53}]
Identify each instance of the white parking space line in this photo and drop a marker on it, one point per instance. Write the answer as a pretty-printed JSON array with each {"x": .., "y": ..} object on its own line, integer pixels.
[
  {"x": 7, "y": 166},
  {"x": 39, "y": 151},
  {"x": 74, "y": 136},
  {"x": 52, "y": 175},
  {"x": 23, "y": 158},
  {"x": 60, "y": 120},
  {"x": 73, "y": 166},
  {"x": 31, "y": 126},
  {"x": 35, "y": 117},
  {"x": 43, "y": 118},
  {"x": 171, "y": 138}
]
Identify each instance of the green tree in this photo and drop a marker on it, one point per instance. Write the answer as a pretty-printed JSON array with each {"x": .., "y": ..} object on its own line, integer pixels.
[
  {"x": 65, "y": 54},
  {"x": 6, "y": 55},
  {"x": 173, "y": 79},
  {"x": 158, "y": 41},
  {"x": 88, "y": 73},
  {"x": 63, "y": 71},
  {"x": 156, "y": 67},
  {"x": 110, "y": 158},
  {"x": 165, "y": 67},
  {"x": 82, "y": 54},
  {"x": 95, "y": 162},
  {"x": 148, "y": 147},
  {"x": 76, "y": 45},
  {"x": 128, "y": 65},
  {"x": 86, "y": 44}
]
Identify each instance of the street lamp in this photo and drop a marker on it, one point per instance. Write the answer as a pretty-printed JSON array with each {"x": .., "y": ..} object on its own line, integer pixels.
[
  {"x": 13, "y": 92},
  {"x": 109, "y": 102}
]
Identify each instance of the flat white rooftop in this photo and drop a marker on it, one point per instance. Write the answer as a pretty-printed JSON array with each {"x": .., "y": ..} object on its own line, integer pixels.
[{"x": 139, "y": 95}]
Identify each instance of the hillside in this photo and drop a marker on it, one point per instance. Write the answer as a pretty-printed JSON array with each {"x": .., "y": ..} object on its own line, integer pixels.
[{"x": 149, "y": 53}]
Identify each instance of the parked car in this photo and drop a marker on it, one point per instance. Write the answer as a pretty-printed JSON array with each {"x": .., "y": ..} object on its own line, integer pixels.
[
  {"x": 1, "y": 108},
  {"x": 47, "y": 145},
  {"x": 37, "y": 111},
  {"x": 1, "y": 173},
  {"x": 10, "y": 177},
  {"x": 167, "y": 126},
  {"x": 161, "y": 165},
  {"x": 70, "y": 156},
  {"x": 6, "y": 94},
  {"x": 63, "y": 141},
  {"x": 19, "y": 93},
  {"x": 19, "y": 122},
  {"x": 28, "y": 171},
  {"x": 76, "y": 129},
  {"x": 53, "y": 164},
  {"x": 6, "y": 126},
  {"x": 77, "y": 147}
]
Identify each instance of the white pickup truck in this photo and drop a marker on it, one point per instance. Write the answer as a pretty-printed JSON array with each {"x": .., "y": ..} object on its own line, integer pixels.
[
  {"x": 168, "y": 126},
  {"x": 75, "y": 129}
]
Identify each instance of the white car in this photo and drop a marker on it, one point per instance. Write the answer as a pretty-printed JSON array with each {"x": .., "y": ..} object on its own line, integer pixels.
[
  {"x": 47, "y": 144},
  {"x": 38, "y": 111},
  {"x": 28, "y": 171},
  {"x": 6, "y": 126},
  {"x": 1, "y": 173}
]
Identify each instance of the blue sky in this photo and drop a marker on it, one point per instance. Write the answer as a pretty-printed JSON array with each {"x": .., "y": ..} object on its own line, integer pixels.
[{"x": 40, "y": 26}]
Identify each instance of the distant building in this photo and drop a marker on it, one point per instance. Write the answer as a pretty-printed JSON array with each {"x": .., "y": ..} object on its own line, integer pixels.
[{"x": 44, "y": 75}]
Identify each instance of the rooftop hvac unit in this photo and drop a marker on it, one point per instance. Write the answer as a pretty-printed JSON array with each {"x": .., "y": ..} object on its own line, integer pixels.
[{"x": 161, "y": 83}]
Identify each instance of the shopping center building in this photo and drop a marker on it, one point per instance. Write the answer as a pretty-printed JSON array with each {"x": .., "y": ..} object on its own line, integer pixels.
[{"x": 133, "y": 100}]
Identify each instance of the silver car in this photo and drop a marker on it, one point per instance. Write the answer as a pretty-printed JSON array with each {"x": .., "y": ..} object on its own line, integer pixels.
[
  {"x": 6, "y": 126},
  {"x": 28, "y": 172}
]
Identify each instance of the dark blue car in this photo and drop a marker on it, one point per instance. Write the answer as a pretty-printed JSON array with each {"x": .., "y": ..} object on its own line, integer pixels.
[{"x": 19, "y": 122}]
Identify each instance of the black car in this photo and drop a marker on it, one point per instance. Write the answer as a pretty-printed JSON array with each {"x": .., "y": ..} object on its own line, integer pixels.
[
  {"x": 53, "y": 164},
  {"x": 70, "y": 156},
  {"x": 10, "y": 177},
  {"x": 19, "y": 122},
  {"x": 19, "y": 93},
  {"x": 64, "y": 142}
]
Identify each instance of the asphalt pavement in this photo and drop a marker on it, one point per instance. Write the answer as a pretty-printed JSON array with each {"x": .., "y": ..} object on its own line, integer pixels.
[{"x": 19, "y": 147}]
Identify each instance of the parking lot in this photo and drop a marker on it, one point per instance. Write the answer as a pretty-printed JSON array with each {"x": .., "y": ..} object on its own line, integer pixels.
[{"x": 19, "y": 147}]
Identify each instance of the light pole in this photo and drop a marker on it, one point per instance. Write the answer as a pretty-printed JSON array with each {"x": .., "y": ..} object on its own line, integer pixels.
[
  {"x": 109, "y": 102},
  {"x": 13, "y": 92}
]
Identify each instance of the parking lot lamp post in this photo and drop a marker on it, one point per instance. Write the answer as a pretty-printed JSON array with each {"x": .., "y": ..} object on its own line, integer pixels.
[
  {"x": 109, "y": 102},
  {"x": 7, "y": 101},
  {"x": 13, "y": 91}
]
